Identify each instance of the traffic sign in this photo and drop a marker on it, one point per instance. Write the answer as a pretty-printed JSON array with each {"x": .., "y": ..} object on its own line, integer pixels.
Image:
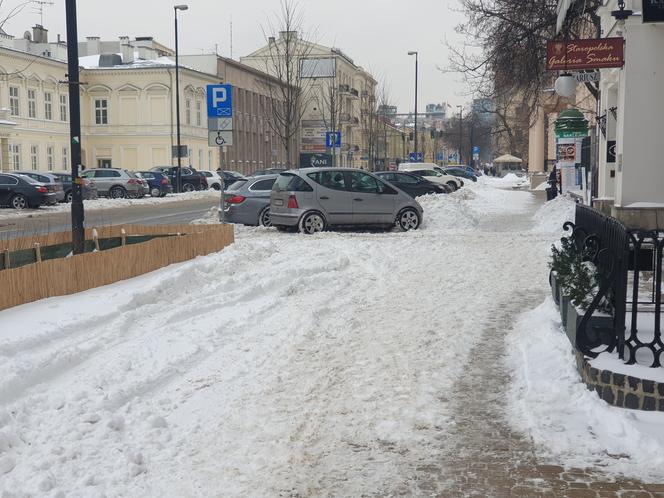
[
  {"x": 416, "y": 157},
  {"x": 333, "y": 139},
  {"x": 220, "y": 124},
  {"x": 220, "y": 138},
  {"x": 220, "y": 101}
]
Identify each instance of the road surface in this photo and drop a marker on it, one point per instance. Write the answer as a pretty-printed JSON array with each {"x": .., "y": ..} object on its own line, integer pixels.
[{"x": 180, "y": 212}]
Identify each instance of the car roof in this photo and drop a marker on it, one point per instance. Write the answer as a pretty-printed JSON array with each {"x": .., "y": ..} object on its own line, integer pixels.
[{"x": 317, "y": 169}]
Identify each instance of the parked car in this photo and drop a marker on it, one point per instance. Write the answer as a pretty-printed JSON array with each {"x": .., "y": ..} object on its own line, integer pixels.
[
  {"x": 428, "y": 171},
  {"x": 52, "y": 182},
  {"x": 230, "y": 177},
  {"x": 313, "y": 199},
  {"x": 413, "y": 185},
  {"x": 158, "y": 183},
  {"x": 213, "y": 179},
  {"x": 248, "y": 201},
  {"x": 116, "y": 183},
  {"x": 89, "y": 187},
  {"x": 21, "y": 192},
  {"x": 268, "y": 171},
  {"x": 459, "y": 173},
  {"x": 191, "y": 179}
]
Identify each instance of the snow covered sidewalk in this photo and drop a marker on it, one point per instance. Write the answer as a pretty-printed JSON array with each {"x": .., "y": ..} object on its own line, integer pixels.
[{"x": 286, "y": 365}]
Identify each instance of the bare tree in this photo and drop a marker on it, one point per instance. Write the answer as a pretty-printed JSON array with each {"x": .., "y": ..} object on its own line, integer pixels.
[
  {"x": 369, "y": 122},
  {"x": 287, "y": 48},
  {"x": 329, "y": 103},
  {"x": 12, "y": 12},
  {"x": 505, "y": 63}
]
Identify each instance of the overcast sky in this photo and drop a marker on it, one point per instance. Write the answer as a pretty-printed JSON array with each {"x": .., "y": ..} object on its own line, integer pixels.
[{"x": 376, "y": 34}]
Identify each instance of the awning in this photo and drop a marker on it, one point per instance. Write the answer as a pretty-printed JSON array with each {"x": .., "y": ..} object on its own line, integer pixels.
[{"x": 507, "y": 158}]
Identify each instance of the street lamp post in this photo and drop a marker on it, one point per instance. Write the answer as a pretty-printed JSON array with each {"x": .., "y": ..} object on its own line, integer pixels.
[
  {"x": 77, "y": 213},
  {"x": 416, "y": 54},
  {"x": 460, "y": 107},
  {"x": 178, "y": 172}
]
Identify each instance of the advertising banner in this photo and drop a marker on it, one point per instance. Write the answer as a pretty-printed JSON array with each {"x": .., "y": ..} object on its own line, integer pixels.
[{"x": 585, "y": 54}]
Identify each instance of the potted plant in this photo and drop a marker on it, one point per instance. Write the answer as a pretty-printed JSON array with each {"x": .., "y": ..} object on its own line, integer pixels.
[
  {"x": 561, "y": 265},
  {"x": 583, "y": 286}
]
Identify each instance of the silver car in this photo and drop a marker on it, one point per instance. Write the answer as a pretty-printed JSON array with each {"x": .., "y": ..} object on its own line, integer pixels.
[
  {"x": 248, "y": 201},
  {"x": 116, "y": 183},
  {"x": 313, "y": 199}
]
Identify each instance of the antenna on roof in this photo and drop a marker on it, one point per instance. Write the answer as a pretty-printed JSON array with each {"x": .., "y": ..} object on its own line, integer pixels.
[
  {"x": 231, "y": 36},
  {"x": 40, "y": 9}
]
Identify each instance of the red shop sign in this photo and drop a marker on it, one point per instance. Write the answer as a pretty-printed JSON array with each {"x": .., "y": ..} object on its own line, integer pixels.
[{"x": 585, "y": 54}]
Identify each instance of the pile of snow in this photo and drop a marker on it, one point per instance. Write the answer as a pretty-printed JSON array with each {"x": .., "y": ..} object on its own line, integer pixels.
[
  {"x": 568, "y": 422},
  {"x": 451, "y": 211},
  {"x": 551, "y": 217},
  {"x": 210, "y": 218},
  {"x": 510, "y": 180}
]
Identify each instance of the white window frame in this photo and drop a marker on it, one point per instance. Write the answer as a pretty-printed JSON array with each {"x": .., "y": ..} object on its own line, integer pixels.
[
  {"x": 101, "y": 111},
  {"x": 34, "y": 157},
  {"x": 50, "y": 157},
  {"x": 64, "y": 108},
  {"x": 15, "y": 156},
  {"x": 187, "y": 113},
  {"x": 199, "y": 113},
  {"x": 15, "y": 100},
  {"x": 48, "y": 106},
  {"x": 65, "y": 158},
  {"x": 32, "y": 103}
]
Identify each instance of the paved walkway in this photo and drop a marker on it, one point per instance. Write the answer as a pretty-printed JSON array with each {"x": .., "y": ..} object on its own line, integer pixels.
[{"x": 485, "y": 458}]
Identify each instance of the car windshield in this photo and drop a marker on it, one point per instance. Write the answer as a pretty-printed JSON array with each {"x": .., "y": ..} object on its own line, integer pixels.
[{"x": 427, "y": 172}]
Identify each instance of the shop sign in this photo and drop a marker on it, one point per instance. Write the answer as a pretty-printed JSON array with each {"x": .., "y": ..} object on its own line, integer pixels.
[
  {"x": 585, "y": 54},
  {"x": 653, "y": 10}
]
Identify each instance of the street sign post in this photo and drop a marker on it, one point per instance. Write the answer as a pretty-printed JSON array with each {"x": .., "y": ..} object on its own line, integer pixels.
[{"x": 220, "y": 126}]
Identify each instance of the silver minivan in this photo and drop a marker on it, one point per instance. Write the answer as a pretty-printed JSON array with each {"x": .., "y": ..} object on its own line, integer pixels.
[{"x": 312, "y": 199}]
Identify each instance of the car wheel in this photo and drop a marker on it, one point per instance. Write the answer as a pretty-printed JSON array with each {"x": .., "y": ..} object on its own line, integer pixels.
[
  {"x": 452, "y": 186},
  {"x": 69, "y": 197},
  {"x": 188, "y": 187},
  {"x": 408, "y": 219},
  {"x": 264, "y": 218},
  {"x": 117, "y": 193},
  {"x": 312, "y": 223},
  {"x": 19, "y": 201},
  {"x": 155, "y": 192},
  {"x": 216, "y": 186}
]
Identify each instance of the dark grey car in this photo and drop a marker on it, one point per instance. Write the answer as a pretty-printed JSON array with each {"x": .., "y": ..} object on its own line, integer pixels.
[
  {"x": 52, "y": 182},
  {"x": 248, "y": 201},
  {"x": 312, "y": 199}
]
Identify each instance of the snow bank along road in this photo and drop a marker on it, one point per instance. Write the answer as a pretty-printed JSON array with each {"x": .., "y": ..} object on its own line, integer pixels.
[{"x": 286, "y": 365}]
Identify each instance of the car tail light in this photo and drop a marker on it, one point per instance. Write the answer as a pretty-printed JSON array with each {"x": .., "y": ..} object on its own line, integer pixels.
[
  {"x": 42, "y": 190},
  {"x": 292, "y": 202},
  {"x": 236, "y": 199},
  {"x": 134, "y": 181}
]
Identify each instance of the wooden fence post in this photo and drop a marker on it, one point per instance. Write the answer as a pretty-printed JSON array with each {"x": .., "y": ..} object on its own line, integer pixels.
[{"x": 38, "y": 255}]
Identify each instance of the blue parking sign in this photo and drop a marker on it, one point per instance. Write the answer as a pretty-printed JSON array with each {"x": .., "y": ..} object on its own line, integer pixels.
[
  {"x": 333, "y": 139},
  {"x": 220, "y": 101}
]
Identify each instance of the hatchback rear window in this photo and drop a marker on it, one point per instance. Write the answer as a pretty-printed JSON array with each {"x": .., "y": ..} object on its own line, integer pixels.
[
  {"x": 290, "y": 182},
  {"x": 263, "y": 185}
]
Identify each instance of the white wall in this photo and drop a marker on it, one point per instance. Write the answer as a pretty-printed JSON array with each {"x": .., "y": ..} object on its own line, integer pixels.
[{"x": 640, "y": 133}]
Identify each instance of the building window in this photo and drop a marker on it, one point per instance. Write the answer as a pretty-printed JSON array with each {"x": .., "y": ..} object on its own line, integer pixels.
[
  {"x": 50, "y": 157},
  {"x": 48, "y": 106},
  {"x": 64, "y": 108},
  {"x": 188, "y": 111},
  {"x": 34, "y": 157},
  {"x": 32, "y": 103},
  {"x": 14, "y": 101},
  {"x": 200, "y": 158},
  {"x": 15, "y": 156},
  {"x": 65, "y": 158},
  {"x": 210, "y": 160},
  {"x": 199, "y": 113},
  {"x": 101, "y": 111}
]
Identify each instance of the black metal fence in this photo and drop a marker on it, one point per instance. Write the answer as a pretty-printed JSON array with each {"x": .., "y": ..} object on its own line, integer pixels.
[{"x": 629, "y": 265}]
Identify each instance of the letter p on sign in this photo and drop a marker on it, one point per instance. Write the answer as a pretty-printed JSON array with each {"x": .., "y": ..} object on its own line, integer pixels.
[{"x": 220, "y": 101}]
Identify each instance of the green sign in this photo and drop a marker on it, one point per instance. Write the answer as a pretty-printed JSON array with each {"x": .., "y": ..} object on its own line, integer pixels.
[{"x": 571, "y": 134}]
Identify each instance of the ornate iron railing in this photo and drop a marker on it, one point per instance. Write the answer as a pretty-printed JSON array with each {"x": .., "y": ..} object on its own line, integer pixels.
[{"x": 622, "y": 258}]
